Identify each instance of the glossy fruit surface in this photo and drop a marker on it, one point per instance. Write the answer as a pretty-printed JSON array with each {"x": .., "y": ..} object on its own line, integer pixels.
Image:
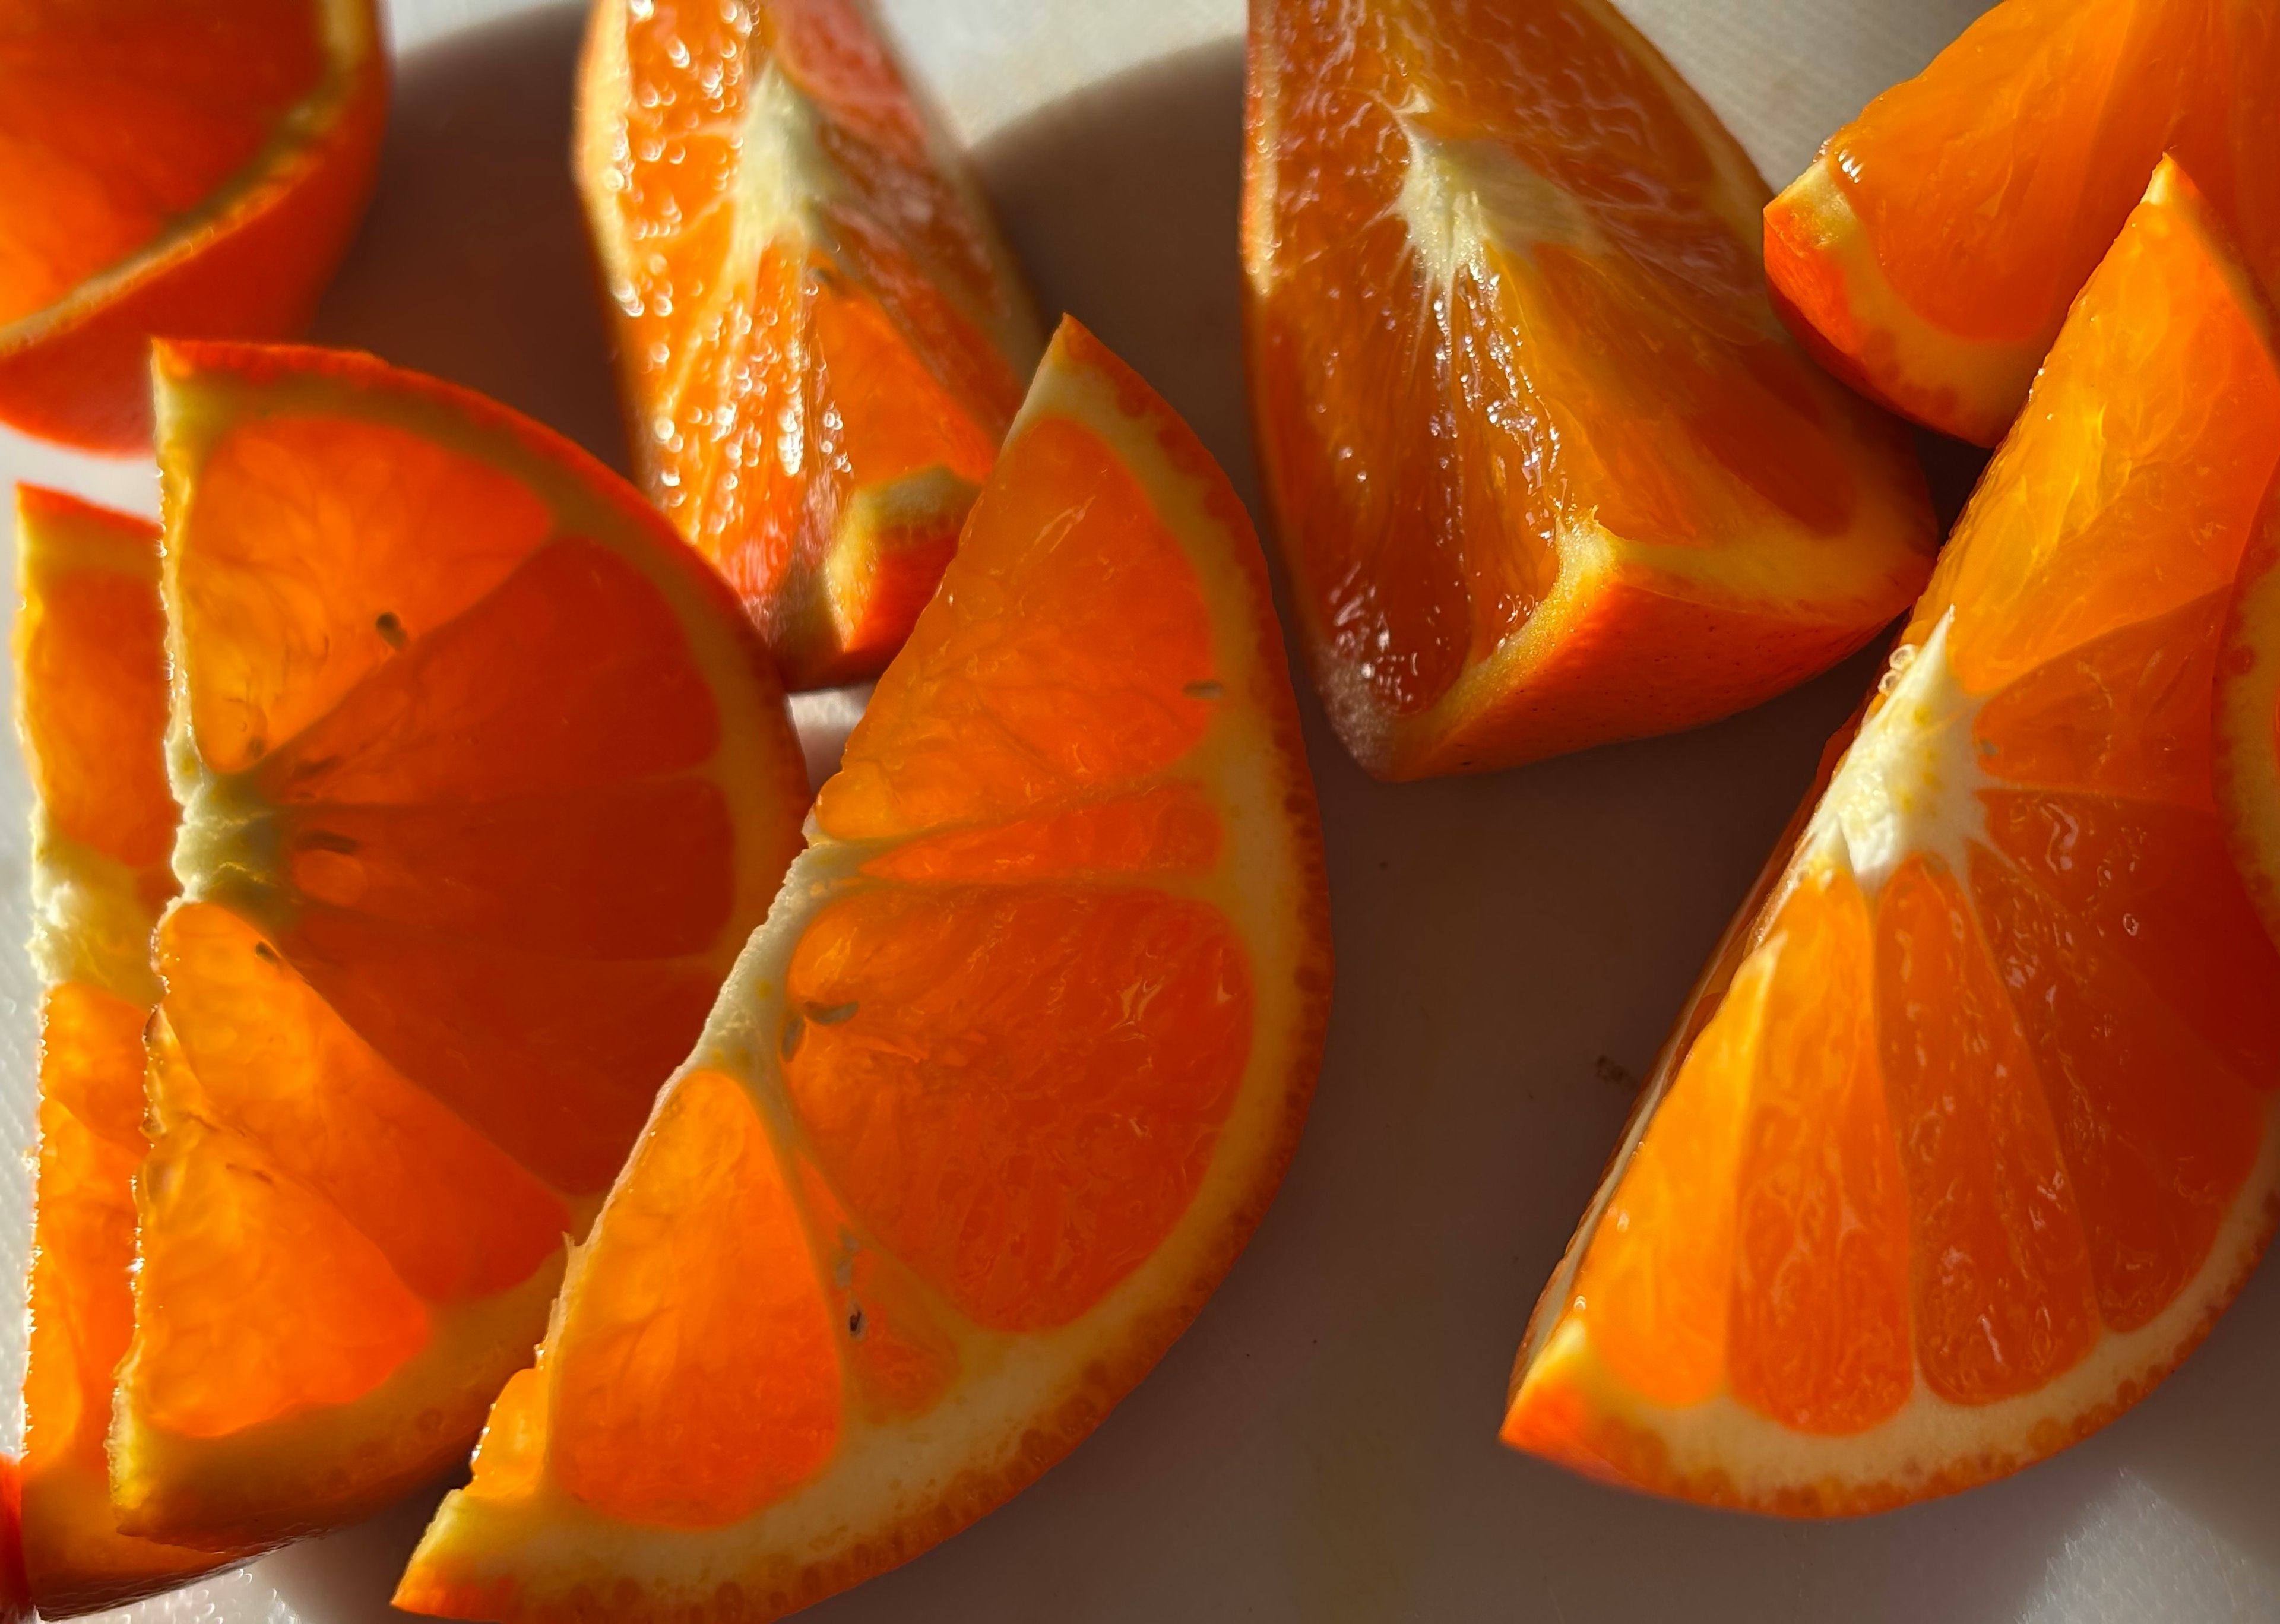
[
  {"x": 1930, "y": 252},
  {"x": 992, "y": 1102},
  {"x": 184, "y": 168},
  {"x": 819, "y": 336},
  {"x": 1546, "y": 470},
  {"x": 485, "y": 779},
  {"x": 1968, "y": 1136},
  {"x": 91, "y": 707}
]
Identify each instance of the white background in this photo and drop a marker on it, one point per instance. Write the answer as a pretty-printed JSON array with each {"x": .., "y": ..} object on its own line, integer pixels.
[{"x": 1320, "y": 1447}]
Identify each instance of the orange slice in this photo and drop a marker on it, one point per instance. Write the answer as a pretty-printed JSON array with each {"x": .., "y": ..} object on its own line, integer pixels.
[
  {"x": 2247, "y": 744},
  {"x": 91, "y": 705},
  {"x": 992, "y": 1102},
  {"x": 821, "y": 338},
  {"x": 1545, "y": 469},
  {"x": 187, "y": 167},
  {"x": 1930, "y": 252},
  {"x": 485, "y": 779},
  {"x": 1968, "y": 1136}
]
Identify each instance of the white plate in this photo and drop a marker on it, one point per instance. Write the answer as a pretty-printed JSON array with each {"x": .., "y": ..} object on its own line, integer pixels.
[{"x": 1320, "y": 1447}]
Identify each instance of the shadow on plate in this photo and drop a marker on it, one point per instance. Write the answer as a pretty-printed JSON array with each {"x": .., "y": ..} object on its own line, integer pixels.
[{"x": 472, "y": 263}]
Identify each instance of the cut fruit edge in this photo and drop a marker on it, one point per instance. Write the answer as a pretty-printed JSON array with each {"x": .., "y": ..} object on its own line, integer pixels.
[
  {"x": 297, "y": 1474},
  {"x": 893, "y": 1488}
]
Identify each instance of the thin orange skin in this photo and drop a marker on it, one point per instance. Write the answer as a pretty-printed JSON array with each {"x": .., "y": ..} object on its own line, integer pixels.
[
  {"x": 1631, "y": 663},
  {"x": 256, "y": 273},
  {"x": 1809, "y": 293},
  {"x": 1563, "y": 1429},
  {"x": 433, "y": 1589}
]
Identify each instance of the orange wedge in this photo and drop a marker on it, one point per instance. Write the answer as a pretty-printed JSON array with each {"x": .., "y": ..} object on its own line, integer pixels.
[
  {"x": 1968, "y": 1136},
  {"x": 485, "y": 778},
  {"x": 819, "y": 336},
  {"x": 91, "y": 705},
  {"x": 189, "y": 168},
  {"x": 989, "y": 1105},
  {"x": 2248, "y": 718},
  {"x": 1930, "y": 252},
  {"x": 1545, "y": 468}
]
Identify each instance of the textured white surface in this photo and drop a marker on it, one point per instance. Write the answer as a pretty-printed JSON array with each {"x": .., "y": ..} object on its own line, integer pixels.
[{"x": 1320, "y": 1448}]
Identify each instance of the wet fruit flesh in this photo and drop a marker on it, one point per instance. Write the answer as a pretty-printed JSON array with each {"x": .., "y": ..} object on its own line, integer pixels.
[
  {"x": 816, "y": 333},
  {"x": 2040, "y": 1029},
  {"x": 1560, "y": 321}
]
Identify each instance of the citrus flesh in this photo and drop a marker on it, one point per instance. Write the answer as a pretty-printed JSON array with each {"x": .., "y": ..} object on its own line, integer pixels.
[
  {"x": 1967, "y": 1137},
  {"x": 485, "y": 778},
  {"x": 1544, "y": 466},
  {"x": 2248, "y": 715},
  {"x": 1929, "y": 253},
  {"x": 990, "y": 1102},
  {"x": 186, "y": 168},
  {"x": 91, "y": 705},
  {"x": 821, "y": 338}
]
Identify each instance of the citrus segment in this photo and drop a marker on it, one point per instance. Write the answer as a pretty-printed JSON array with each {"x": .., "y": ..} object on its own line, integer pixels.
[
  {"x": 1546, "y": 469},
  {"x": 1931, "y": 250},
  {"x": 485, "y": 778},
  {"x": 821, "y": 338},
  {"x": 1981, "y": 1087},
  {"x": 185, "y": 167},
  {"x": 91, "y": 709},
  {"x": 695, "y": 1375},
  {"x": 992, "y": 1099}
]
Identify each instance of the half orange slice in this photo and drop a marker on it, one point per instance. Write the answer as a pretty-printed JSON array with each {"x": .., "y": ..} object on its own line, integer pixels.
[
  {"x": 989, "y": 1105},
  {"x": 1545, "y": 468},
  {"x": 821, "y": 338},
  {"x": 1930, "y": 252},
  {"x": 1968, "y": 1135},
  {"x": 91, "y": 706},
  {"x": 485, "y": 778},
  {"x": 188, "y": 168}
]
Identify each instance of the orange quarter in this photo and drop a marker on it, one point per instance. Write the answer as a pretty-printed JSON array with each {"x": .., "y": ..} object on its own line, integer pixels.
[
  {"x": 992, "y": 1100},
  {"x": 820, "y": 335},
  {"x": 1969, "y": 1135},
  {"x": 1545, "y": 467}
]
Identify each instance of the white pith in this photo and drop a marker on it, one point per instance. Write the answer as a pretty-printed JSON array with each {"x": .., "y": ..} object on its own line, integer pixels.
[
  {"x": 1910, "y": 781},
  {"x": 883, "y": 1475},
  {"x": 1459, "y": 198}
]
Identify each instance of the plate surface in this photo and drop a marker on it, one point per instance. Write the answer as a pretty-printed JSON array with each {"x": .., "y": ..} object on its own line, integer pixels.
[{"x": 1320, "y": 1447}]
